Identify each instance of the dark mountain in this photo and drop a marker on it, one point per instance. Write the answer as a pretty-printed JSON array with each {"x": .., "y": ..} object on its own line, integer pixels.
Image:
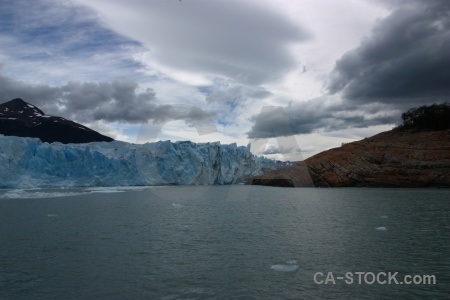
[{"x": 23, "y": 119}]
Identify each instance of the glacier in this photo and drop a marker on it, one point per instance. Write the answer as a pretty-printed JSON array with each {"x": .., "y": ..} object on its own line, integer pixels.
[{"x": 28, "y": 162}]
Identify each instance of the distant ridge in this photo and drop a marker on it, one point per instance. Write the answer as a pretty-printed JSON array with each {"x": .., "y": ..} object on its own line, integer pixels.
[{"x": 20, "y": 118}]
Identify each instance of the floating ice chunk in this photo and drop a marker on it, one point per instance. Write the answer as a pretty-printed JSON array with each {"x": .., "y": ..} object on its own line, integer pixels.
[
  {"x": 19, "y": 193},
  {"x": 176, "y": 205},
  {"x": 384, "y": 217},
  {"x": 289, "y": 266},
  {"x": 104, "y": 190},
  {"x": 133, "y": 188},
  {"x": 292, "y": 262},
  {"x": 284, "y": 268},
  {"x": 381, "y": 228},
  {"x": 116, "y": 189},
  {"x": 14, "y": 194},
  {"x": 52, "y": 215}
]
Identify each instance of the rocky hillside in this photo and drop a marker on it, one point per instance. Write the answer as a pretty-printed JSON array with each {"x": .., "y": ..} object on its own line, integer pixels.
[
  {"x": 396, "y": 158},
  {"x": 19, "y": 118}
]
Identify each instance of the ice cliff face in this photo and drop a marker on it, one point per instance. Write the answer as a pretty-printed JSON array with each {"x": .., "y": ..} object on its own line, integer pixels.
[{"x": 27, "y": 162}]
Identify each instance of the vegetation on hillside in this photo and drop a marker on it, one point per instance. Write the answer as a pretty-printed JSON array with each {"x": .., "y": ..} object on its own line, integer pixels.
[{"x": 427, "y": 117}]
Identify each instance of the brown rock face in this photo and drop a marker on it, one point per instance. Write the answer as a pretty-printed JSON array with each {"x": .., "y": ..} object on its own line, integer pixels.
[
  {"x": 390, "y": 159},
  {"x": 294, "y": 176}
]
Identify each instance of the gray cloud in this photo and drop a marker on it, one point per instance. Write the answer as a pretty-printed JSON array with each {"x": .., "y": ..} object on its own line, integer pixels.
[
  {"x": 224, "y": 91},
  {"x": 243, "y": 40},
  {"x": 404, "y": 63},
  {"x": 229, "y": 99},
  {"x": 278, "y": 149},
  {"x": 42, "y": 95},
  {"x": 271, "y": 122},
  {"x": 118, "y": 101},
  {"x": 405, "y": 60},
  {"x": 324, "y": 113}
]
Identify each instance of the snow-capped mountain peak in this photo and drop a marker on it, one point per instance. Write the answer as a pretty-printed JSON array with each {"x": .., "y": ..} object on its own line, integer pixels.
[{"x": 20, "y": 118}]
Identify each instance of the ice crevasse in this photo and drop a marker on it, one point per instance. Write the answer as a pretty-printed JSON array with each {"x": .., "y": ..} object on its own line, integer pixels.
[{"x": 27, "y": 162}]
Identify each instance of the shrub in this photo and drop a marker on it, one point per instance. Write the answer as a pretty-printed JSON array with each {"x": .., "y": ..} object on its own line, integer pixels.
[{"x": 427, "y": 117}]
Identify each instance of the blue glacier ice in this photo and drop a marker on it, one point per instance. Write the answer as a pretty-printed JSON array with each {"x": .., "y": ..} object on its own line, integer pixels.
[{"x": 27, "y": 162}]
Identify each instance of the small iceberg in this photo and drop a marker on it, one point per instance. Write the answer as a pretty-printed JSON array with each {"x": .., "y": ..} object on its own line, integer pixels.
[
  {"x": 381, "y": 228},
  {"x": 104, "y": 190},
  {"x": 384, "y": 217},
  {"x": 289, "y": 266},
  {"x": 176, "y": 205}
]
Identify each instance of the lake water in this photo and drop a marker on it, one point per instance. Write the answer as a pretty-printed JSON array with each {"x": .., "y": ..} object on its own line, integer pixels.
[{"x": 222, "y": 242}]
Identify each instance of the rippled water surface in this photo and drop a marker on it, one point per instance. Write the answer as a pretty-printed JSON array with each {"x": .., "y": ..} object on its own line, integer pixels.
[{"x": 221, "y": 242}]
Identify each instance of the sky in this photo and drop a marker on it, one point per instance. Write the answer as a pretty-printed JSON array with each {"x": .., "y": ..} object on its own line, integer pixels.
[{"x": 290, "y": 77}]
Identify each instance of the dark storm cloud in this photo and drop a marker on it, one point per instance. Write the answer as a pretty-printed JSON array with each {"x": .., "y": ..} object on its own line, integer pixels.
[
  {"x": 404, "y": 63},
  {"x": 118, "y": 101},
  {"x": 406, "y": 59},
  {"x": 10, "y": 89},
  {"x": 319, "y": 114}
]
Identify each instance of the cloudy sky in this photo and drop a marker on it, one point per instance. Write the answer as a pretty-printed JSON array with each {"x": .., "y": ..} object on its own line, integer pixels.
[{"x": 292, "y": 77}]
